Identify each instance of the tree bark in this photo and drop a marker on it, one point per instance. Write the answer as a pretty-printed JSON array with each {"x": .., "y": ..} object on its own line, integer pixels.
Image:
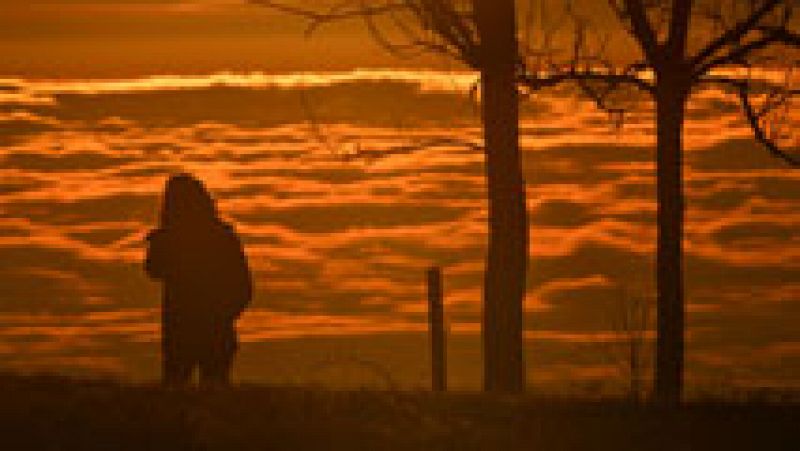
[
  {"x": 506, "y": 264},
  {"x": 671, "y": 106}
]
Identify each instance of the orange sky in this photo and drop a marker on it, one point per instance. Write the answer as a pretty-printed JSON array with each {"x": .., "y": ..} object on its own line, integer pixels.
[
  {"x": 341, "y": 244},
  {"x": 89, "y": 39}
]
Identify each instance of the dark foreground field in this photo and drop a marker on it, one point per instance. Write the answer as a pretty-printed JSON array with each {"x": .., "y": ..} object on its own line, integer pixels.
[{"x": 52, "y": 413}]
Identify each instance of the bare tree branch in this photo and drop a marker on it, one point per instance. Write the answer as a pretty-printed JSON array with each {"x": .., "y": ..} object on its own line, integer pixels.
[
  {"x": 447, "y": 27},
  {"x": 635, "y": 13},
  {"x": 761, "y": 135},
  {"x": 538, "y": 82},
  {"x": 783, "y": 35},
  {"x": 678, "y": 28},
  {"x": 318, "y": 18},
  {"x": 734, "y": 35},
  {"x": 758, "y": 118}
]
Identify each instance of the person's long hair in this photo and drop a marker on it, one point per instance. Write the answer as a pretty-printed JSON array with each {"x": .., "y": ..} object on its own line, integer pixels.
[{"x": 187, "y": 203}]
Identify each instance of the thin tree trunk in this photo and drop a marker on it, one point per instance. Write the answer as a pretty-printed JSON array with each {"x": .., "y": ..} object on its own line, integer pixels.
[
  {"x": 506, "y": 266},
  {"x": 671, "y": 105}
]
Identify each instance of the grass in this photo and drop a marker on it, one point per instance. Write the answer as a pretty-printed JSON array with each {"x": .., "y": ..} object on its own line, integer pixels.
[{"x": 56, "y": 413}]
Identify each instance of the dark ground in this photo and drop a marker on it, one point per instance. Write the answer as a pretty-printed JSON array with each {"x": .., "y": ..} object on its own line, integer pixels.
[{"x": 53, "y": 413}]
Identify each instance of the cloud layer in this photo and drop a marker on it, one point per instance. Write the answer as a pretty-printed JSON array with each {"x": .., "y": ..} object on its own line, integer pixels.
[{"x": 346, "y": 188}]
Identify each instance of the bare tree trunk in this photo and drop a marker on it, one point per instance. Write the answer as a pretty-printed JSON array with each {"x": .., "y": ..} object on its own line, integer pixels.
[
  {"x": 506, "y": 266},
  {"x": 671, "y": 105}
]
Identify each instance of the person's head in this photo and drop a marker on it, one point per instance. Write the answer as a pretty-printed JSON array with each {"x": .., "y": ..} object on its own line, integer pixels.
[{"x": 187, "y": 202}]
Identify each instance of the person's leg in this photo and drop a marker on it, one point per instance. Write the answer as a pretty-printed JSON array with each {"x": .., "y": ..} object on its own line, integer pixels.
[
  {"x": 176, "y": 368},
  {"x": 216, "y": 364},
  {"x": 216, "y": 372},
  {"x": 177, "y": 372}
]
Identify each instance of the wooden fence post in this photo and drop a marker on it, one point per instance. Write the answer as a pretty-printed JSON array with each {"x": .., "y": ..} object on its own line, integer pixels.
[{"x": 437, "y": 332}]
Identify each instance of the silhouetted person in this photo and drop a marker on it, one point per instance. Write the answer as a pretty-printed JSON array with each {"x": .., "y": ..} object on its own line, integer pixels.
[{"x": 206, "y": 284}]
